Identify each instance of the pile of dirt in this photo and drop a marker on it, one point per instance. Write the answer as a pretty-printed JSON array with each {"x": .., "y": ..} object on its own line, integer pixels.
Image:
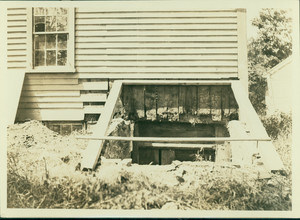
[
  {"x": 41, "y": 155},
  {"x": 36, "y": 150}
]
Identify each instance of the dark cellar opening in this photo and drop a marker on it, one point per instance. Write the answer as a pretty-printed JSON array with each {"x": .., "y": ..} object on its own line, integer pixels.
[{"x": 145, "y": 153}]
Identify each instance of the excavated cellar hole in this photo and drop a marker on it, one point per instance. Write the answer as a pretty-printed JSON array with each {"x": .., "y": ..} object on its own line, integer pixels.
[{"x": 159, "y": 154}]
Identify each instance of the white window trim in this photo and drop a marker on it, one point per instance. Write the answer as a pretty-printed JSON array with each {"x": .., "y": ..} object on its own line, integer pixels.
[{"x": 70, "y": 67}]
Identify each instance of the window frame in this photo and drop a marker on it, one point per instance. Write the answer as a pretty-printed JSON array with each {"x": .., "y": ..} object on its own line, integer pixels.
[{"x": 70, "y": 67}]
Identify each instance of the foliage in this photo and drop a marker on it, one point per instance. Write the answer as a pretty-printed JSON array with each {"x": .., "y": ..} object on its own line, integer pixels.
[
  {"x": 277, "y": 124},
  {"x": 272, "y": 45},
  {"x": 131, "y": 191}
]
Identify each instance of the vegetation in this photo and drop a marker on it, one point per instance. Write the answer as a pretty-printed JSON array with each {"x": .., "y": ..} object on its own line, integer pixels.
[
  {"x": 131, "y": 192},
  {"x": 272, "y": 45},
  {"x": 36, "y": 181}
]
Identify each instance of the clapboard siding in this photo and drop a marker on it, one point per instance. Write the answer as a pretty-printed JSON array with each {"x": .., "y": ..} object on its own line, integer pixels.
[
  {"x": 132, "y": 43},
  {"x": 49, "y": 96},
  {"x": 135, "y": 36},
  {"x": 17, "y": 38}
]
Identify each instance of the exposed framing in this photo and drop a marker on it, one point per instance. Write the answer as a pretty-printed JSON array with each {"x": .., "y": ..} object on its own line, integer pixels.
[{"x": 247, "y": 112}]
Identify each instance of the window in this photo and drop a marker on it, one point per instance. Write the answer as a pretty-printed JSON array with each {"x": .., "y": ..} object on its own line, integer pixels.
[{"x": 52, "y": 37}]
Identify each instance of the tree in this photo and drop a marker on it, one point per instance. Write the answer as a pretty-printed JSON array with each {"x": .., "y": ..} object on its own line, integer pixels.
[{"x": 272, "y": 45}]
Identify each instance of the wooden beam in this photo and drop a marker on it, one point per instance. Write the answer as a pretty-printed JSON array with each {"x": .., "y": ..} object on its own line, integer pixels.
[
  {"x": 176, "y": 82},
  {"x": 93, "y": 150},
  {"x": 242, "y": 48},
  {"x": 248, "y": 115},
  {"x": 173, "y": 139},
  {"x": 177, "y": 146}
]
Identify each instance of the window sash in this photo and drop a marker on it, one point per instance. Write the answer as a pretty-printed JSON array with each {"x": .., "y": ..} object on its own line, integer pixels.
[{"x": 69, "y": 67}]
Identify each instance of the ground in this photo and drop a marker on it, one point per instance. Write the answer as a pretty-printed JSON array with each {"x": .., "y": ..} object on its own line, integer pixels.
[{"x": 43, "y": 172}]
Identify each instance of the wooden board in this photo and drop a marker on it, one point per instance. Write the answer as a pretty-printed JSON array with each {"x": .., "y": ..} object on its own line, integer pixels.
[
  {"x": 93, "y": 150},
  {"x": 50, "y": 114},
  {"x": 47, "y": 105},
  {"x": 150, "y": 102},
  {"x": 248, "y": 115}
]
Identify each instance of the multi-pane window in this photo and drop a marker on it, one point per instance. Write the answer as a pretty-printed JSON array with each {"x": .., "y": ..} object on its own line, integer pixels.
[{"x": 50, "y": 36}]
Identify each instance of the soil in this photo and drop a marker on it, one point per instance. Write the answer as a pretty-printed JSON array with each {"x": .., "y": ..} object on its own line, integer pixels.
[{"x": 39, "y": 153}]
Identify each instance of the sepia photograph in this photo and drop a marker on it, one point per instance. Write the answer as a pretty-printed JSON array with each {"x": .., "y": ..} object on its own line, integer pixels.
[{"x": 149, "y": 108}]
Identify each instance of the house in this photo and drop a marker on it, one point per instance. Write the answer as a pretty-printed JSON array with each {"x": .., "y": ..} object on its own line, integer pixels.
[
  {"x": 279, "y": 87},
  {"x": 162, "y": 62}
]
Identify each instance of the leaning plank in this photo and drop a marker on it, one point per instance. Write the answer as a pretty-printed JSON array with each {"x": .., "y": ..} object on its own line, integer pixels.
[
  {"x": 93, "y": 150},
  {"x": 248, "y": 115}
]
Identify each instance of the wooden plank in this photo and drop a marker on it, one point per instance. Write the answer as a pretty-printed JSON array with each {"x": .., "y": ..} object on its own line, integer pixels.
[
  {"x": 159, "y": 51},
  {"x": 17, "y": 58},
  {"x": 178, "y": 39},
  {"x": 93, "y": 109},
  {"x": 176, "y": 82},
  {"x": 102, "y": 85},
  {"x": 138, "y": 63},
  {"x": 127, "y": 99},
  {"x": 52, "y": 87},
  {"x": 44, "y": 75},
  {"x": 21, "y": 46},
  {"x": 225, "y": 100},
  {"x": 138, "y": 101},
  {"x": 43, "y": 81},
  {"x": 233, "y": 106},
  {"x": 230, "y": 22},
  {"x": 16, "y": 65},
  {"x": 191, "y": 101},
  {"x": 16, "y": 40},
  {"x": 21, "y": 52},
  {"x": 93, "y": 150},
  {"x": 94, "y": 97},
  {"x": 155, "y": 45},
  {"x": 20, "y": 29},
  {"x": 67, "y": 99},
  {"x": 216, "y": 103},
  {"x": 174, "y": 139},
  {"x": 155, "y": 75},
  {"x": 242, "y": 48},
  {"x": 248, "y": 115},
  {"x": 158, "y": 57},
  {"x": 50, "y": 114},
  {"x": 171, "y": 99},
  {"x": 177, "y": 69},
  {"x": 158, "y": 25},
  {"x": 177, "y": 145},
  {"x": 204, "y": 105},
  {"x": 155, "y": 33},
  {"x": 154, "y": 12},
  {"x": 42, "y": 105},
  {"x": 181, "y": 100},
  {"x": 94, "y": 35},
  {"x": 155, "y": 16},
  {"x": 161, "y": 103},
  {"x": 51, "y": 93},
  {"x": 16, "y": 35},
  {"x": 150, "y": 102}
]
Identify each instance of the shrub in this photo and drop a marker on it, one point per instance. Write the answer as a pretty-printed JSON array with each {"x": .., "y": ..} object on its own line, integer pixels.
[{"x": 278, "y": 124}]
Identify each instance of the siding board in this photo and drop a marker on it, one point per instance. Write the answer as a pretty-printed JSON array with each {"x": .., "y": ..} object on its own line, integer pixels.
[{"x": 16, "y": 38}]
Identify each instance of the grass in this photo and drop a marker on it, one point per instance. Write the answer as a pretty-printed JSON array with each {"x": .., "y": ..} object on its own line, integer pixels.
[{"x": 208, "y": 187}]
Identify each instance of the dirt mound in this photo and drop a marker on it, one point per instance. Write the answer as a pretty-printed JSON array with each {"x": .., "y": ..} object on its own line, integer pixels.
[{"x": 35, "y": 149}]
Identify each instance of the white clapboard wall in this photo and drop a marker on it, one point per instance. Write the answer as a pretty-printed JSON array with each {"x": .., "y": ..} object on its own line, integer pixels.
[{"x": 126, "y": 43}]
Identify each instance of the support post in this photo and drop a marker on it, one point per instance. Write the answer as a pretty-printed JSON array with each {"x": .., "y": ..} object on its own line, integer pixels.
[{"x": 242, "y": 48}]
